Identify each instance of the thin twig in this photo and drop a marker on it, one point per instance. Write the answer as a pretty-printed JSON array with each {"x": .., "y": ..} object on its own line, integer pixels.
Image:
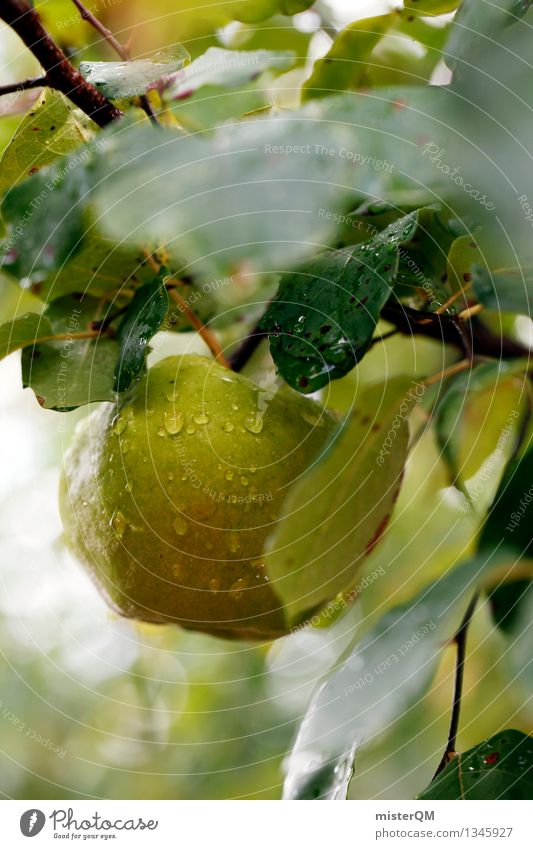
[
  {"x": 460, "y": 641},
  {"x": 24, "y": 85},
  {"x": 456, "y": 368},
  {"x": 453, "y": 298},
  {"x": 60, "y": 73},
  {"x": 383, "y": 337},
  {"x": 119, "y": 48},
  {"x": 248, "y": 346},
  {"x": 207, "y": 335}
]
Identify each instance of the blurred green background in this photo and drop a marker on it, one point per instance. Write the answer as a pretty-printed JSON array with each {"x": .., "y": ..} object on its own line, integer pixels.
[{"x": 95, "y": 706}]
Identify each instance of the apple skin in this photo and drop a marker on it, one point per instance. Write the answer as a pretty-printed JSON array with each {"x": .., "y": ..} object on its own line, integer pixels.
[{"x": 168, "y": 498}]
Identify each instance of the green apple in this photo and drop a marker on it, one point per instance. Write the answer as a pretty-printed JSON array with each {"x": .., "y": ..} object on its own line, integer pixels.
[{"x": 169, "y": 498}]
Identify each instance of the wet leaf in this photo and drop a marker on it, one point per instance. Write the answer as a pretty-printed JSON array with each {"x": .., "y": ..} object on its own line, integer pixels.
[
  {"x": 71, "y": 371},
  {"x": 129, "y": 79},
  {"x": 476, "y": 27},
  {"x": 323, "y": 318},
  {"x": 327, "y": 782},
  {"x": 463, "y": 255},
  {"x": 51, "y": 129},
  {"x": 385, "y": 673},
  {"x": 225, "y": 69},
  {"x": 144, "y": 316},
  {"x": 509, "y": 524},
  {"x": 179, "y": 193},
  {"x": 22, "y": 331},
  {"x": 498, "y": 768},
  {"x": 506, "y": 290},
  {"x": 478, "y": 423}
]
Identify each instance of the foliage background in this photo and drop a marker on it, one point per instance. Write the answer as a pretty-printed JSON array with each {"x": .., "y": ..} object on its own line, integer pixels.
[{"x": 145, "y": 712}]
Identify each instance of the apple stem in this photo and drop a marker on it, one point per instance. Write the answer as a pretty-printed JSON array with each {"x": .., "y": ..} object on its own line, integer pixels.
[{"x": 207, "y": 335}]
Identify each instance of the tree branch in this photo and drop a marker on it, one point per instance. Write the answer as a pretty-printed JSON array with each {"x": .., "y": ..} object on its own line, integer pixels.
[
  {"x": 248, "y": 346},
  {"x": 449, "y": 330},
  {"x": 471, "y": 337},
  {"x": 24, "y": 85},
  {"x": 59, "y": 72},
  {"x": 460, "y": 641}
]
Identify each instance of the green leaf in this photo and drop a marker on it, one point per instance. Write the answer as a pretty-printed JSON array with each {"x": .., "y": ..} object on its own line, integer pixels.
[
  {"x": 385, "y": 673},
  {"x": 507, "y": 602},
  {"x": 223, "y": 84},
  {"x": 328, "y": 155},
  {"x": 505, "y": 290},
  {"x": 478, "y": 423},
  {"x": 476, "y": 27},
  {"x": 44, "y": 217},
  {"x": 329, "y": 782},
  {"x": 335, "y": 514},
  {"x": 253, "y": 11},
  {"x": 144, "y": 316},
  {"x": 22, "y": 331},
  {"x": 52, "y": 128},
  {"x": 509, "y": 522},
  {"x": 98, "y": 265},
  {"x": 344, "y": 67},
  {"x": 463, "y": 255},
  {"x": 498, "y": 768},
  {"x": 323, "y": 318},
  {"x": 69, "y": 372},
  {"x": 428, "y": 7},
  {"x": 130, "y": 79},
  {"x": 225, "y": 69},
  {"x": 515, "y": 600},
  {"x": 423, "y": 258}
]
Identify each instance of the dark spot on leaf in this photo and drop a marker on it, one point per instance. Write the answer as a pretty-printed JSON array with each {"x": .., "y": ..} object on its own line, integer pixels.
[
  {"x": 467, "y": 277},
  {"x": 325, "y": 328},
  {"x": 303, "y": 382},
  {"x": 492, "y": 757}
]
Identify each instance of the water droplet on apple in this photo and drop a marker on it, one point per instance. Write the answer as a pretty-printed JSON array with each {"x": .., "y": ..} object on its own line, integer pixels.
[
  {"x": 234, "y": 542},
  {"x": 180, "y": 526},
  {"x": 229, "y": 475},
  {"x": 118, "y": 523},
  {"x": 191, "y": 429},
  {"x": 173, "y": 422},
  {"x": 244, "y": 481},
  {"x": 214, "y": 585},
  {"x": 201, "y": 418},
  {"x": 228, "y": 427},
  {"x": 237, "y": 589},
  {"x": 119, "y": 424},
  {"x": 254, "y": 423}
]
